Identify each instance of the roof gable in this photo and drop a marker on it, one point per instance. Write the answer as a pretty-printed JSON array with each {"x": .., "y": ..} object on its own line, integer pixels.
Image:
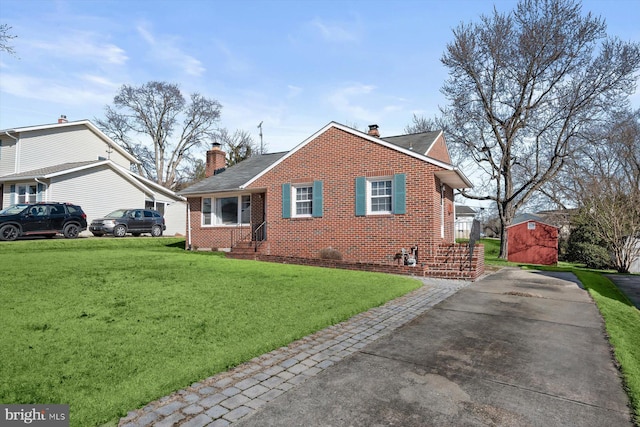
[
  {"x": 418, "y": 142},
  {"x": 370, "y": 138},
  {"x": 68, "y": 168},
  {"x": 86, "y": 123},
  {"x": 527, "y": 217},
  {"x": 235, "y": 177}
]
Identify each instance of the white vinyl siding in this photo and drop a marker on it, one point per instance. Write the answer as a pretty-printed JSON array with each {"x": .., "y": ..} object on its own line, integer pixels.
[
  {"x": 99, "y": 191},
  {"x": 49, "y": 147},
  {"x": 8, "y": 156},
  {"x": 174, "y": 217}
]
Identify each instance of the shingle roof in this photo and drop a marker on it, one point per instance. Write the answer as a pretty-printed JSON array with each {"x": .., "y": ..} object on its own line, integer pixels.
[
  {"x": 49, "y": 170},
  {"x": 465, "y": 210},
  {"x": 235, "y": 176},
  {"x": 519, "y": 219},
  {"x": 418, "y": 142}
]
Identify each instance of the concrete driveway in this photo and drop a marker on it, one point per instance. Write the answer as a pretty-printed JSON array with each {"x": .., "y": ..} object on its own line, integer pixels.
[{"x": 518, "y": 348}]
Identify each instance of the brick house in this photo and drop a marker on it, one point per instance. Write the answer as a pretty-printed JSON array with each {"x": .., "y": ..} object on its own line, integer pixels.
[{"x": 341, "y": 198}]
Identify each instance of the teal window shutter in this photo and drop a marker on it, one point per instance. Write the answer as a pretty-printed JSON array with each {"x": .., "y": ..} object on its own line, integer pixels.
[
  {"x": 316, "y": 206},
  {"x": 361, "y": 196},
  {"x": 399, "y": 194},
  {"x": 12, "y": 195},
  {"x": 40, "y": 193},
  {"x": 286, "y": 200}
]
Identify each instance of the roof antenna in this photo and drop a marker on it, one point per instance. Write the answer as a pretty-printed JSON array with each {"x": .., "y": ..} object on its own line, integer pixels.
[{"x": 260, "y": 127}]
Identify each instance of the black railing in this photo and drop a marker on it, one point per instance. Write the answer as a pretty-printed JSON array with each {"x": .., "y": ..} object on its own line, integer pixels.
[
  {"x": 260, "y": 234},
  {"x": 239, "y": 234}
]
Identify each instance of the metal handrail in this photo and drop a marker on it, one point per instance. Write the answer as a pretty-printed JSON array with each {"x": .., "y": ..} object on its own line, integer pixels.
[
  {"x": 259, "y": 234},
  {"x": 237, "y": 236}
]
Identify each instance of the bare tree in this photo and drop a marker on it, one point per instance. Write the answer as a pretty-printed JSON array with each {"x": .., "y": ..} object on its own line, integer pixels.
[
  {"x": 170, "y": 127},
  {"x": 238, "y": 146},
  {"x": 522, "y": 87},
  {"x": 5, "y": 39},
  {"x": 607, "y": 187},
  {"x": 421, "y": 124}
]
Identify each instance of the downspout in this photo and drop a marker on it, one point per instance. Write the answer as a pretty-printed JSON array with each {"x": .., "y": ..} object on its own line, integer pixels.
[
  {"x": 43, "y": 183},
  {"x": 188, "y": 225}
]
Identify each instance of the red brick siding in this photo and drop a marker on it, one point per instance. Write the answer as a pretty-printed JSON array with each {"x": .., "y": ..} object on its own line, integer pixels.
[
  {"x": 337, "y": 158},
  {"x": 211, "y": 237},
  {"x": 453, "y": 263},
  {"x": 439, "y": 151},
  {"x": 368, "y": 243}
]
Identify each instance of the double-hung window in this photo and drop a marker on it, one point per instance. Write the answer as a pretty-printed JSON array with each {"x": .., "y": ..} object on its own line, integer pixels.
[
  {"x": 27, "y": 193},
  {"x": 380, "y": 193},
  {"x": 232, "y": 210},
  {"x": 303, "y": 200}
]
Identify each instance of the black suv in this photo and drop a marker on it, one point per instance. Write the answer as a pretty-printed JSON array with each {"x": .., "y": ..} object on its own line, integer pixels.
[
  {"x": 134, "y": 221},
  {"x": 42, "y": 219}
]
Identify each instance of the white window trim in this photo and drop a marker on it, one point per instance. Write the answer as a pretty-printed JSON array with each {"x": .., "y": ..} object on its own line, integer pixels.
[
  {"x": 294, "y": 201},
  {"x": 215, "y": 218},
  {"x": 370, "y": 197},
  {"x": 27, "y": 199}
]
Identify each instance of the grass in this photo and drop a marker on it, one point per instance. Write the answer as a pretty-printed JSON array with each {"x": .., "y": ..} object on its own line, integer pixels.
[
  {"x": 108, "y": 325},
  {"x": 622, "y": 321}
]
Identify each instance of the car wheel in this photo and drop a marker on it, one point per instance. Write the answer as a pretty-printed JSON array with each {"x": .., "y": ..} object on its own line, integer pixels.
[
  {"x": 9, "y": 232},
  {"x": 98, "y": 234},
  {"x": 119, "y": 231},
  {"x": 156, "y": 231},
  {"x": 135, "y": 234},
  {"x": 71, "y": 231}
]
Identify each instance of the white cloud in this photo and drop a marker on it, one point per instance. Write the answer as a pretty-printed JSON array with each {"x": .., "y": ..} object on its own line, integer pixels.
[
  {"x": 230, "y": 60},
  {"x": 293, "y": 91},
  {"x": 68, "y": 93},
  {"x": 348, "y": 101},
  {"x": 336, "y": 32},
  {"x": 80, "y": 46},
  {"x": 166, "y": 50}
]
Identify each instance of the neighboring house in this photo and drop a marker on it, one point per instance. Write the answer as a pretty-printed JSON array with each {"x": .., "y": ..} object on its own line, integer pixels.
[
  {"x": 635, "y": 262},
  {"x": 76, "y": 162},
  {"x": 361, "y": 200},
  {"x": 561, "y": 218},
  {"x": 532, "y": 241},
  {"x": 464, "y": 220}
]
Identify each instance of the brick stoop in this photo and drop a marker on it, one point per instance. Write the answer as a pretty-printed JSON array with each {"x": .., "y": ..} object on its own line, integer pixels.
[
  {"x": 452, "y": 262},
  {"x": 244, "y": 250}
]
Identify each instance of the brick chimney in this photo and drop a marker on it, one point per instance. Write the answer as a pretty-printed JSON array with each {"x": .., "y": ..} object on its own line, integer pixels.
[
  {"x": 63, "y": 119},
  {"x": 373, "y": 131},
  {"x": 216, "y": 160}
]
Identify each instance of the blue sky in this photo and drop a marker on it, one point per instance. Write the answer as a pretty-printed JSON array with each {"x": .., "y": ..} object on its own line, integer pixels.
[{"x": 293, "y": 65}]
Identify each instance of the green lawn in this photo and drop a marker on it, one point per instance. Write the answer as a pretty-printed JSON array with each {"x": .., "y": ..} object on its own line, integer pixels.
[{"x": 108, "y": 325}]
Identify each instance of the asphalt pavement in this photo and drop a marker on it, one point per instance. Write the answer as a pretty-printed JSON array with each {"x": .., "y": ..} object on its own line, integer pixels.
[
  {"x": 518, "y": 348},
  {"x": 629, "y": 285}
]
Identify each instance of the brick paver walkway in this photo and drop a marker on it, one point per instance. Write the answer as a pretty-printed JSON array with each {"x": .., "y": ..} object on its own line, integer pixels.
[{"x": 226, "y": 397}]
